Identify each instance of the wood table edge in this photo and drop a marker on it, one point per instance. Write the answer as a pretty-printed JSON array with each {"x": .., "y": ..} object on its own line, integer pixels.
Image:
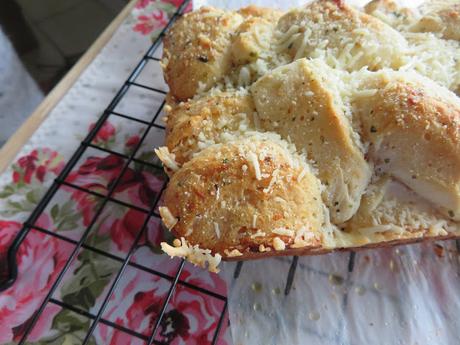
[{"x": 14, "y": 144}]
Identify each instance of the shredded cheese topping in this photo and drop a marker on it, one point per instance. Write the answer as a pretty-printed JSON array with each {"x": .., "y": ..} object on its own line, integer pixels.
[
  {"x": 284, "y": 232},
  {"x": 278, "y": 244},
  {"x": 194, "y": 254},
  {"x": 167, "y": 158},
  {"x": 168, "y": 218},
  {"x": 217, "y": 229},
  {"x": 273, "y": 180},
  {"x": 258, "y": 233},
  {"x": 232, "y": 253},
  {"x": 252, "y": 158}
]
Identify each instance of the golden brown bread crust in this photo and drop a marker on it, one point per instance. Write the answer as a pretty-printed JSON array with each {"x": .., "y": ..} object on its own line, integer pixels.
[
  {"x": 270, "y": 14},
  {"x": 196, "y": 50},
  {"x": 439, "y": 17},
  {"x": 194, "y": 124},
  {"x": 415, "y": 137},
  {"x": 247, "y": 47},
  {"x": 220, "y": 202},
  {"x": 254, "y": 35},
  {"x": 444, "y": 21},
  {"x": 252, "y": 175},
  {"x": 390, "y": 12},
  {"x": 388, "y": 6},
  {"x": 392, "y": 110},
  {"x": 313, "y": 121}
]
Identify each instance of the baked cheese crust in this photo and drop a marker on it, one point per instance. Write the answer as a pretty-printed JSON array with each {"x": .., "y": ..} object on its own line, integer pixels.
[{"x": 323, "y": 128}]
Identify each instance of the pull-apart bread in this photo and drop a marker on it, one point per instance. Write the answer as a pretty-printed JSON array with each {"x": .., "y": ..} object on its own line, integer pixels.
[{"x": 318, "y": 129}]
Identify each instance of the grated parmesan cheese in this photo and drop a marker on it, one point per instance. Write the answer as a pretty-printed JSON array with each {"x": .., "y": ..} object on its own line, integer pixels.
[
  {"x": 194, "y": 254},
  {"x": 168, "y": 218},
  {"x": 258, "y": 233},
  {"x": 302, "y": 174},
  {"x": 303, "y": 237},
  {"x": 252, "y": 158},
  {"x": 279, "y": 199},
  {"x": 232, "y": 253},
  {"x": 167, "y": 158},
  {"x": 283, "y": 232},
  {"x": 244, "y": 77},
  {"x": 278, "y": 244},
  {"x": 217, "y": 229}
]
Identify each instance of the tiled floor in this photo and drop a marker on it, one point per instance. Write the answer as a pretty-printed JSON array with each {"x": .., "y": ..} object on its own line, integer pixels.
[{"x": 64, "y": 29}]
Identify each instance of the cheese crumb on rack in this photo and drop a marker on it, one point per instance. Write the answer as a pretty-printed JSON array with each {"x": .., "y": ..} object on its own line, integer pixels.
[
  {"x": 233, "y": 253},
  {"x": 278, "y": 244},
  {"x": 194, "y": 254},
  {"x": 262, "y": 248},
  {"x": 279, "y": 199},
  {"x": 273, "y": 180}
]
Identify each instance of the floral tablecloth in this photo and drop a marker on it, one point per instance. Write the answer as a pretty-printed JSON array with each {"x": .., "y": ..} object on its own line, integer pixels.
[{"x": 191, "y": 316}]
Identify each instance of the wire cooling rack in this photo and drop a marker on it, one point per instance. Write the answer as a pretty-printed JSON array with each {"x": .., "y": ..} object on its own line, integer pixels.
[{"x": 60, "y": 181}]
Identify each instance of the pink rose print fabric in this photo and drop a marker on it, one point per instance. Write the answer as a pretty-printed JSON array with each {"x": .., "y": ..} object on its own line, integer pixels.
[
  {"x": 40, "y": 259},
  {"x": 154, "y": 15}
]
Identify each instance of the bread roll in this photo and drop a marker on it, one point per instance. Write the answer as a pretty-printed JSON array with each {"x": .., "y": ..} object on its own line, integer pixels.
[
  {"x": 244, "y": 194},
  {"x": 197, "y": 50},
  {"x": 413, "y": 126},
  {"x": 320, "y": 129},
  {"x": 312, "y": 117},
  {"x": 342, "y": 36},
  {"x": 194, "y": 125}
]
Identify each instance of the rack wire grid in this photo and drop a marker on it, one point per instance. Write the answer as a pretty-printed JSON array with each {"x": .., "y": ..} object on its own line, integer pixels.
[{"x": 60, "y": 181}]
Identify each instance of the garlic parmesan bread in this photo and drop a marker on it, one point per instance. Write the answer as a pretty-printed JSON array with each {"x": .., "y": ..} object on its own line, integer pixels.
[{"x": 323, "y": 128}]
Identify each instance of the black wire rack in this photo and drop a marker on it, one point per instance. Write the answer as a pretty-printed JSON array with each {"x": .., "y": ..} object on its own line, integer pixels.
[{"x": 61, "y": 181}]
